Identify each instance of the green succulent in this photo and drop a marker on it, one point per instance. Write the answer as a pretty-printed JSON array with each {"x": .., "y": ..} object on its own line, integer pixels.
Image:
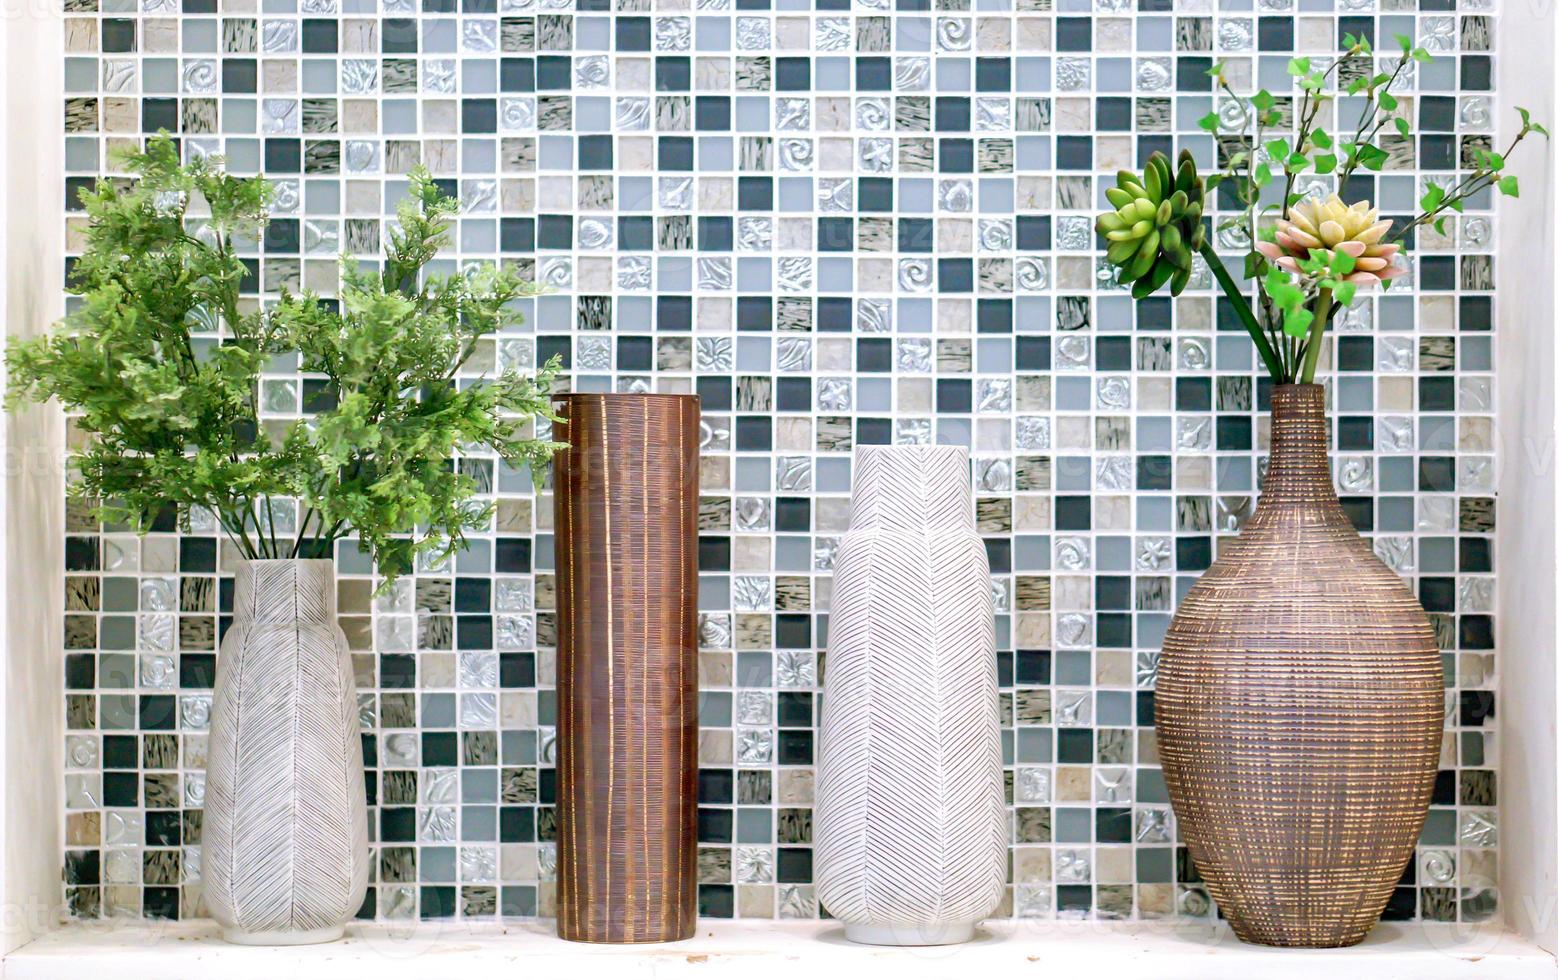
[{"x": 1156, "y": 227}]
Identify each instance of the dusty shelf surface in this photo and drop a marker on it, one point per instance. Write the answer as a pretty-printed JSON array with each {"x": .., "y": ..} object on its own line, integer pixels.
[{"x": 763, "y": 950}]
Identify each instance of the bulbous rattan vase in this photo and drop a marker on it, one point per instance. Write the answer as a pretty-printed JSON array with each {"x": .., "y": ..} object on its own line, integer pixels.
[{"x": 1299, "y": 708}]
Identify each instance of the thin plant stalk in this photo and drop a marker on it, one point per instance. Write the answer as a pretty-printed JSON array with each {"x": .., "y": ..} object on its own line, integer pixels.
[
  {"x": 1241, "y": 306},
  {"x": 1316, "y": 331}
]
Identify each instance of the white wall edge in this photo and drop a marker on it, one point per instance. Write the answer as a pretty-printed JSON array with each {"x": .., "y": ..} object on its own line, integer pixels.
[
  {"x": 752, "y": 949},
  {"x": 1527, "y": 705},
  {"x": 32, "y": 708}
]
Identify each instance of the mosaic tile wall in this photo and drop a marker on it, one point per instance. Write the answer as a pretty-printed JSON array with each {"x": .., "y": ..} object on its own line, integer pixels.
[{"x": 840, "y": 224}]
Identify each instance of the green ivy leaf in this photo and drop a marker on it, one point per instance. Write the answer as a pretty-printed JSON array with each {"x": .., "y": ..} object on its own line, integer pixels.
[
  {"x": 1342, "y": 263},
  {"x": 1372, "y": 157},
  {"x": 1298, "y": 66},
  {"x": 1325, "y": 163},
  {"x": 1509, "y": 186},
  {"x": 1314, "y": 264},
  {"x": 1295, "y": 323},
  {"x": 1283, "y": 293},
  {"x": 1209, "y": 122}
]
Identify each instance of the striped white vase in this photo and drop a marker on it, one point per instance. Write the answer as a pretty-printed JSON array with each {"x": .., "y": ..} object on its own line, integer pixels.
[
  {"x": 286, "y": 825},
  {"x": 910, "y": 811}
]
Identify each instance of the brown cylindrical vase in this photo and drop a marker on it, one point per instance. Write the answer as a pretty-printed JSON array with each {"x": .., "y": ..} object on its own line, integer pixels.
[
  {"x": 625, "y": 495},
  {"x": 1299, "y": 708}
]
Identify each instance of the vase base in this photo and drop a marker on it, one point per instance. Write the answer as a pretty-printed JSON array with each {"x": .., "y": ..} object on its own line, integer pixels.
[
  {"x": 283, "y": 937},
  {"x": 1300, "y": 938},
  {"x": 907, "y": 934},
  {"x": 639, "y": 941}
]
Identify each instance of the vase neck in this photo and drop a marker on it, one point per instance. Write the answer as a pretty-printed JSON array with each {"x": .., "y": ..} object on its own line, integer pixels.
[
  {"x": 285, "y": 590},
  {"x": 911, "y": 488},
  {"x": 1299, "y": 468}
]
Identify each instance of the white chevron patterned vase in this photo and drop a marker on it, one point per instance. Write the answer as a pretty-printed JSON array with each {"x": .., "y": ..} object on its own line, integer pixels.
[
  {"x": 286, "y": 825},
  {"x": 910, "y": 811}
]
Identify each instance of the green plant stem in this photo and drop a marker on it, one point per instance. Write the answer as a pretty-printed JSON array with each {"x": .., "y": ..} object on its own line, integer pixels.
[
  {"x": 325, "y": 547},
  {"x": 297, "y": 543},
  {"x": 1367, "y": 118},
  {"x": 1309, "y": 110},
  {"x": 1241, "y": 306},
  {"x": 1462, "y": 189},
  {"x": 251, "y": 515},
  {"x": 1316, "y": 331},
  {"x": 1249, "y": 191},
  {"x": 270, "y": 518},
  {"x": 238, "y": 535}
]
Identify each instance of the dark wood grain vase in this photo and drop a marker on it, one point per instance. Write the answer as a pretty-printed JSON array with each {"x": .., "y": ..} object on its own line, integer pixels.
[
  {"x": 626, "y": 519},
  {"x": 1299, "y": 707}
]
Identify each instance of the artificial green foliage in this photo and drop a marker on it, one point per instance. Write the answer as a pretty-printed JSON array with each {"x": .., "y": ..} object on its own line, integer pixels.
[
  {"x": 1266, "y": 143},
  {"x": 160, "y": 363}
]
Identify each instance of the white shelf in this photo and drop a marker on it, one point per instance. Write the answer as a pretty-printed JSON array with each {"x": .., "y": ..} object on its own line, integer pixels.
[{"x": 756, "y": 950}]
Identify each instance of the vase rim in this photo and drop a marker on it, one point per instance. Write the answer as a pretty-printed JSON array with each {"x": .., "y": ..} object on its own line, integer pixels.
[
  {"x": 620, "y": 395},
  {"x": 287, "y": 561},
  {"x": 913, "y": 448}
]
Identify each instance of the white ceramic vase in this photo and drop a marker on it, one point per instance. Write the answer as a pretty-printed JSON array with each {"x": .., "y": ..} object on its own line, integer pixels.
[
  {"x": 911, "y": 826},
  {"x": 285, "y": 836}
]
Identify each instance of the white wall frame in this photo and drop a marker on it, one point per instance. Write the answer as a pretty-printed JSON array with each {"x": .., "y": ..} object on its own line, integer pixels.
[
  {"x": 31, "y": 497},
  {"x": 32, "y": 440},
  {"x": 1527, "y": 587}
]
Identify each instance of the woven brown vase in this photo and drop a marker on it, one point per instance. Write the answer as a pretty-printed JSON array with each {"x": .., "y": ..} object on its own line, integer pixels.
[
  {"x": 626, "y": 505},
  {"x": 1300, "y": 705}
]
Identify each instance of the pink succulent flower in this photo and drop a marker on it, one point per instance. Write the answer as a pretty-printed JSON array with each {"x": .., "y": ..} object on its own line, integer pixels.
[{"x": 1324, "y": 227}]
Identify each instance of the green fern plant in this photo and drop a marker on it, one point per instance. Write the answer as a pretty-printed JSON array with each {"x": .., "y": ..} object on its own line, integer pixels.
[{"x": 160, "y": 366}]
